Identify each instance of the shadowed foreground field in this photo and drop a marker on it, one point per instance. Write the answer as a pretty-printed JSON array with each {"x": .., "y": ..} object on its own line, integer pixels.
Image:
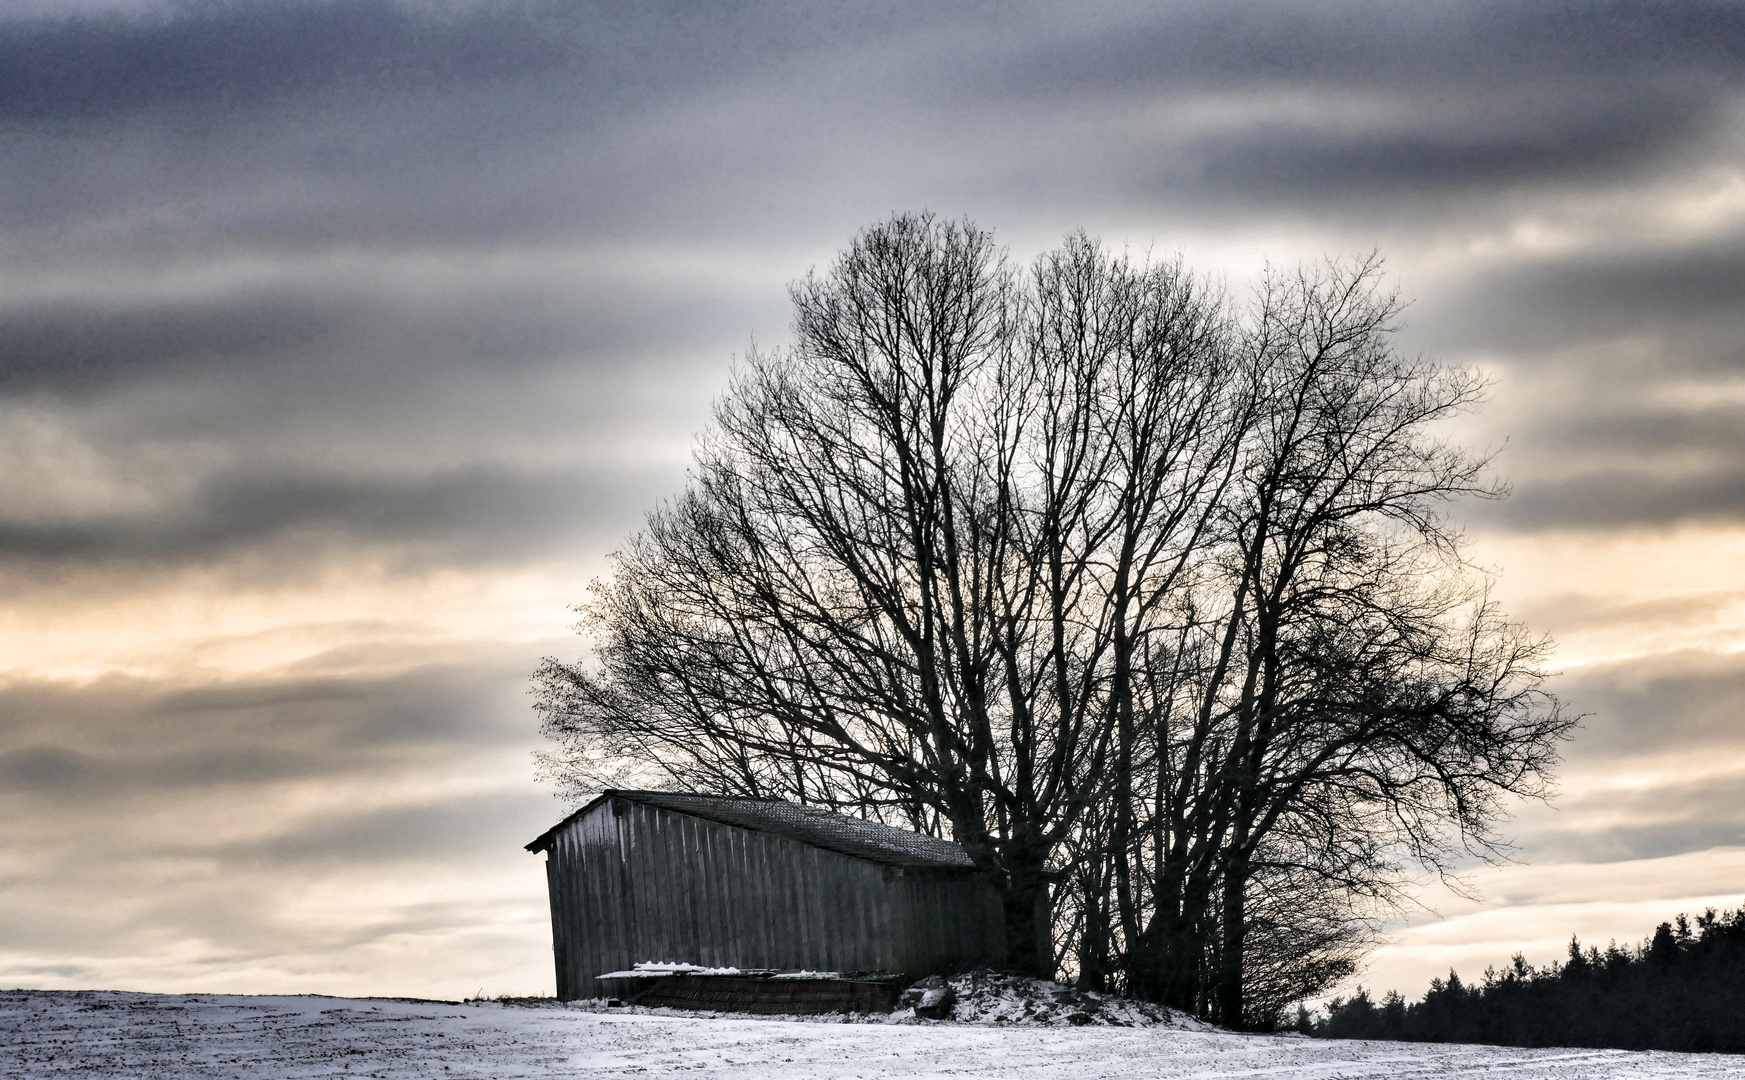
[{"x": 106, "y": 1034}]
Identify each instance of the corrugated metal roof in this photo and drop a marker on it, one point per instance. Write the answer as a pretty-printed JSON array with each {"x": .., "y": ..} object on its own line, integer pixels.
[{"x": 821, "y": 828}]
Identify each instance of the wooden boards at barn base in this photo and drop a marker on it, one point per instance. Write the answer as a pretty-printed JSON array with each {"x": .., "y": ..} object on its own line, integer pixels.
[{"x": 725, "y": 993}]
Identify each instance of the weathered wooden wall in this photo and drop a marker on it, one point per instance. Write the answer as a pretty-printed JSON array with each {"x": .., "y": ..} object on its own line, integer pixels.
[
  {"x": 631, "y": 882},
  {"x": 778, "y": 996}
]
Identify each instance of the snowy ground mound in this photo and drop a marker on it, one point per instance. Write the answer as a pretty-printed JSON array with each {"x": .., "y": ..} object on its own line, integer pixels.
[
  {"x": 983, "y": 997},
  {"x": 992, "y": 998}
]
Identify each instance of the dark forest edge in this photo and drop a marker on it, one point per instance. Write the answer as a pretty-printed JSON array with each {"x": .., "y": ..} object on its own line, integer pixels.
[{"x": 1683, "y": 988}]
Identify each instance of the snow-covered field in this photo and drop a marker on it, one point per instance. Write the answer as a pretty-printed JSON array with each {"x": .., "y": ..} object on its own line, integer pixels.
[{"x": 106, "y": 1034}]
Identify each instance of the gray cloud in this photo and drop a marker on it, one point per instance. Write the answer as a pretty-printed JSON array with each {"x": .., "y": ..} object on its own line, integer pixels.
[
  {"x": 1587, "y": 460},
  {"x": 232, "y": 54},
  {"x": 1714, "y": 822},
  {"x": 1610, "y": 499},
  {"x": 61, "y": 345},
  {"x": 1587, "y": 610},
  {"x": 1717, "y": 432},
  {"x": 43, "y": 768},
  {"x": 1640, "y": 714},
  {"x": 1618, "y": 354},
  {"x": 456, "y": 828},
  {"x": 214, "y": 809},
  {"x": 1365, "y": 43},
  {"x": 345, "y": 326},
  {"x": 1686, "y": 295},
  {"x": 1279, "y": 162},
  {"x": 533, "y": 120},
  {"x": 476, "y": 514},
  {"x": 369, "y": 119},
  {"x": 194, "y": 55},
  {"x": 1658, "y": 704},
  {"x": 1671, "y": 818},
  {"x": 122, "y": 739}
]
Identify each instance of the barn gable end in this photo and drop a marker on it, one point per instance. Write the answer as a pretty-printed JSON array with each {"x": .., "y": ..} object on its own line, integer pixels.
[{"x": 637, "y": 876}]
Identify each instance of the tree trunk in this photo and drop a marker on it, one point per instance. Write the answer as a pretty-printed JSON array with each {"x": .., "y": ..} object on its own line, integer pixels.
[
  {"x": 1230, "y": 974},
  {"x": 1029, "y": 918},
  {"x": 1165, "y": 965}
]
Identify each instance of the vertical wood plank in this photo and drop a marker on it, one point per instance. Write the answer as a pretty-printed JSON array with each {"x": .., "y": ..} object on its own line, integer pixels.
[{"x": 655, "y": 884}]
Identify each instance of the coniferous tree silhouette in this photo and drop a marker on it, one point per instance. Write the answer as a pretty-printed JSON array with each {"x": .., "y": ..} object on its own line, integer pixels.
[{"x": 1683, "y": 988}]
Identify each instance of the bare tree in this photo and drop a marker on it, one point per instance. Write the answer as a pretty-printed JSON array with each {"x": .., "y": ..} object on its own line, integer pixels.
[
  {"x": 1146, "y": 603},
  {"x": 1353, "y": 702}
]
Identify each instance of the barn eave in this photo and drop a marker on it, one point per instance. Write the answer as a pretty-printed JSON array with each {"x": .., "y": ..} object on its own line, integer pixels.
[{"x": 878, "y": 844}]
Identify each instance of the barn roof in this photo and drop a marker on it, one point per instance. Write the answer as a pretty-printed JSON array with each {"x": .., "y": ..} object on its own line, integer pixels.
[{"x": 812, "y": 825}]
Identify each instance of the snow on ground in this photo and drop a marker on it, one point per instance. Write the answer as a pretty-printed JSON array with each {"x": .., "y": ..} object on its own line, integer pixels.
[
  {"x": 992, "y": 998},
  {"x": 111, "y": 1034}
]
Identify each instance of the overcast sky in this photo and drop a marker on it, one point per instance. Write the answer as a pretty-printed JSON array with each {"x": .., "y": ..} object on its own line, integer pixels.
[{"x": 341, "y": 341}]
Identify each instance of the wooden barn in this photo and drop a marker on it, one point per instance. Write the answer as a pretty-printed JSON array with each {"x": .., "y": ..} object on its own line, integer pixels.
[{"x": 641, "y": 876}]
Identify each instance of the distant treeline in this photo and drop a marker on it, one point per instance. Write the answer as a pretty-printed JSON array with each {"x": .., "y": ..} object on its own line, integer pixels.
[{"x": 1681, "y": 989}]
